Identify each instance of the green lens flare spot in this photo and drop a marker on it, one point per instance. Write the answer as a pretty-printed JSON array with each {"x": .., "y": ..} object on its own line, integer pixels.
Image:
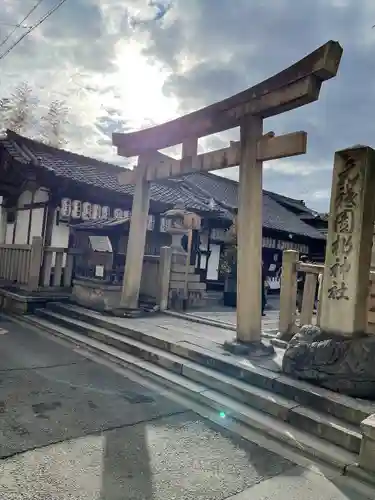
[{"x": 222, "y": 414}]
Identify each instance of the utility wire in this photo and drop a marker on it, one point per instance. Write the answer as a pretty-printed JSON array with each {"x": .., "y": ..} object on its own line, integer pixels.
[
  {"x": 20, "y": 24},
  {"x": 9, "y": 25},
  {"x": 32, "y": 28}
]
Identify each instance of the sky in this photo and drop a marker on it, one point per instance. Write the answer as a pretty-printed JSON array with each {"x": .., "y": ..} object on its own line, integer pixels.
[{"x": 121, "y": 65}]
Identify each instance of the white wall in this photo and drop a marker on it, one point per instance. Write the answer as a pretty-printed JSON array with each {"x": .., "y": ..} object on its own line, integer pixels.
[
  {"x": 60, "y": 234},
  {"x": 36, "y": 229},
  {"x": 9, "y": 234},
  {"x": 23, "y": 217}
]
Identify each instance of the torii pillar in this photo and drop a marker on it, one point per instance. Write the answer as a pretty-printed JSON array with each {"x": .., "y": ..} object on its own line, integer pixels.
[{"x": 296, "y": 86}]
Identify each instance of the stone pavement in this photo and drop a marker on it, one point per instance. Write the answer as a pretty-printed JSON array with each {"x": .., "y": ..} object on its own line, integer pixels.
[
  {"x": 227, "y": 315},
  {"x": 71, "y": 428}
]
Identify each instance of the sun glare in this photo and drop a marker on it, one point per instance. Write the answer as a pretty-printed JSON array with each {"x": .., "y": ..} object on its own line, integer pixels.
[{"x": 140, "y": 83}]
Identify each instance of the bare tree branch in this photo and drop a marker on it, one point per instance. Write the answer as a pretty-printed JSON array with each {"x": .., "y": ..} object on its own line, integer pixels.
[
  {"x": 17, "y": 110},
  {"x": 53, "y": 123},
  {"x": 18, "y": 113}
]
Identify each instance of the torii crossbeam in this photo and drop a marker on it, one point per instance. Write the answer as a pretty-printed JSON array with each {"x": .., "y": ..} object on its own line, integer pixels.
[{"x": 296, "y": 86}]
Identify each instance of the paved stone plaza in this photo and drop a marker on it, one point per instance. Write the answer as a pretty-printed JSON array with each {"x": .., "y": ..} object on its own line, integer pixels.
[{"x": 75, "y": 429}]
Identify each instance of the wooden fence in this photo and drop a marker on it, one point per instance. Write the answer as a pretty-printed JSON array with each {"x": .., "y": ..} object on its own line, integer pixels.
[
  {"x": 289, "y": 321},
  {"x": 32, "y": 266},
  {"x": 57, "y": 267},
  {"x": 15, "y": 263}
]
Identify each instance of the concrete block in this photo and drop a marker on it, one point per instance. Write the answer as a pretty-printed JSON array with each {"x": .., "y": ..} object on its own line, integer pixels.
[{"x": 367, "y": 452}]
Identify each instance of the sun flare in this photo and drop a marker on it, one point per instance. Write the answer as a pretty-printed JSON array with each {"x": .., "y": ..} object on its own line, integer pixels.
[{"x": 140, "y": 87}]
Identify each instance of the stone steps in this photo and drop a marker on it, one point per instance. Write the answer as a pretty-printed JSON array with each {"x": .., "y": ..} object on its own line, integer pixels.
[
  {"x": 234, "y": 410},
  {"x": 284, "y": 409},
  {"x": 343, "y": 408},
  {"x": 239, "y": 417}
]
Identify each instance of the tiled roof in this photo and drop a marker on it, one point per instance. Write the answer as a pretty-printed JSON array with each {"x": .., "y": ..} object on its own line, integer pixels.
[
  {"x": 298, "y": 205},
  {"x": 275, "y": 216},
  {"x": 94, "y": 172},
  {"x": 101, "y": 223},
  {"x": 202, "y": 192}
]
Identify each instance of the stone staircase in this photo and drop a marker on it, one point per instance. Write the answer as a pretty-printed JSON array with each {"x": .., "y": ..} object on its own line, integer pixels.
[{"x": 312, "y": 420}]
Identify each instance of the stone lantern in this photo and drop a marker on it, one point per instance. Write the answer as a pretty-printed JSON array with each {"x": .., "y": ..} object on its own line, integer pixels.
[
  {"x": 180, "y": 222},
  {"x": 175, "y": 226}
]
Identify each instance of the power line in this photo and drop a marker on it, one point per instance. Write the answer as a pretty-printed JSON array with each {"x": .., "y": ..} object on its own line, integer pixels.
[
  {"x": 24, "y": 26},
  {"x": 20, "y": 24},
  {"x": 32, "y": 28}
]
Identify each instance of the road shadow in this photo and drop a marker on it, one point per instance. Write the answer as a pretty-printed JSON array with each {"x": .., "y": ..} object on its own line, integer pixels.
[
  {"x": 184, "y": 456},
  {"x": 126, "y": 472}
]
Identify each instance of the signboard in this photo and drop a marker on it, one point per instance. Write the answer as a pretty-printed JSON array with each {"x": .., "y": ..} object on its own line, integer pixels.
[
  {"x": 100, "y": 244},
  {"x": 284, "y": 245},
  {"x": 99, "y": 271}
]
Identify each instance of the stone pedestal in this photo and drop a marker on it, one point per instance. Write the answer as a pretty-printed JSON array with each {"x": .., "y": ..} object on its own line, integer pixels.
[
  {"x": 340, "y": 355},
  {"x": 367, "y": 453},
  {"x": 96, "y": 294},
  {"x": 349, "y": 243}
]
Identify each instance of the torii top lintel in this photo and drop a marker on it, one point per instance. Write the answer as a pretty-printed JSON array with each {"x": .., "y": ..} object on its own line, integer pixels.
[{"x": 291, "y": 88}]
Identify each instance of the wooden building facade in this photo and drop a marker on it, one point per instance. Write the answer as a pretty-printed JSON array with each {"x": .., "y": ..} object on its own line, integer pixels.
[{"x": 48, "y": 192}]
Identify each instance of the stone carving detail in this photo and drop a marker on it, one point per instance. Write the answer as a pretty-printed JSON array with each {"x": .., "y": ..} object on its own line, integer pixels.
[
  {"x": 346, "y": 201},
  {"x": 344, "y": 365}
]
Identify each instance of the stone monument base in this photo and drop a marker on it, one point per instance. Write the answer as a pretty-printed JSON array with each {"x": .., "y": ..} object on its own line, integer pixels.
[{"x": 344, "y": 365}]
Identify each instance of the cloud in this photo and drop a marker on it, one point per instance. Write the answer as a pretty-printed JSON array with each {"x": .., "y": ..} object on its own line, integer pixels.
[
  {"x": 237, "y": 44},
  {"x": 156, "y": 12},
  {"x": 87, "y": 54},
  {"x": 124, "y": 64}
]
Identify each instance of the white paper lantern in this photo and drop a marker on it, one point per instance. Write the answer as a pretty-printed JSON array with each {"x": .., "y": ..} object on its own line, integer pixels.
[
  {"x": 76, "y": 209},
  {"x": 106, "y": 212},
  {"x": 150, "y": 223},
  {"x": 118, "y": 213},
  {"x": 86, "y": 210},
  {"x": 96, "y": 211},
  {"x": 66, "y": 207}
]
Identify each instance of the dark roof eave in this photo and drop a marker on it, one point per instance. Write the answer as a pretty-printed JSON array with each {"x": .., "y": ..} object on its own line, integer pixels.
[{"x": 321, "y": 237}]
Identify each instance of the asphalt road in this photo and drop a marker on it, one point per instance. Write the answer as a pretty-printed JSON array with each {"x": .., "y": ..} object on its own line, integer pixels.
[{"x": 71, "y": 428}]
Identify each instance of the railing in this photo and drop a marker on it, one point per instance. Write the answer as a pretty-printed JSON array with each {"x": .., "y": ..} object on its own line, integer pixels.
[
  {"x": 15, "y": 263},
  {"x": 57, "y": 268},
  {"x": 288, "y": 293},
  {"x": 288, "y": 296},
  {"x": 20, "y": 264}
]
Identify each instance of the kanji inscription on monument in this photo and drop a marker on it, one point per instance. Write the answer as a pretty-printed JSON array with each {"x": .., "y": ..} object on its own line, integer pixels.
[
  {"x": 349, "y": 241},
  {"x": 344, "y": 224}
]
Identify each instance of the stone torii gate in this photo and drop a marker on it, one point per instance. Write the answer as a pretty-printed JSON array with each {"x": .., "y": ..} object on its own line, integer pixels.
[{"x": 296, "y": 86}]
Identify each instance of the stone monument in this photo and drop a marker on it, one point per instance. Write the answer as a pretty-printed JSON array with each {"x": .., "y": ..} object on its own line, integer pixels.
[{"x": 339, "y": 354}]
